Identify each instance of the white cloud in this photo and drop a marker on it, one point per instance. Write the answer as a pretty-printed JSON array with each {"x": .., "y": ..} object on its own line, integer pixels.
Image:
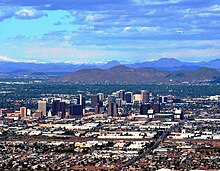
[
  {"x": 187, "y": 53},
  {"x": 147, "y": 28},
  {"x": 141, "y": 29},
  {"x": 24, "y": 14},
  {"x": 126, "y": 29},
  {"x": 93, "y": 17},
  {"x": 8, "y": 59},
  {"x": 151, "y": 12},
  {"x": 215, "y": 8},
  {"x": 208, "y": 14},
  {"x": 90, "y": 17},
  {"x": 64, "y": 52}
]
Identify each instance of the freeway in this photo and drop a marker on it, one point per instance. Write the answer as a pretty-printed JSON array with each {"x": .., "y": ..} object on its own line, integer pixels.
[{"x": 155, "y": 145}]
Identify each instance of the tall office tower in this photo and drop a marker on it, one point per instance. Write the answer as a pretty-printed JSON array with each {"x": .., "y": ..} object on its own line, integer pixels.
[
  {"x": 55, "y": 107},
  {"x": 97, "y": 111},
  {"x": 145, "y": 96},
  {"x": 94, "y": 100},
  {"x": 76, "y": 110},
  {"x": 128, "y": 97},
  {"x": 122, "y": 94},
  {"x": 42, "y": 106},
  {"x": 101, "y": 96},
  {"x": 144, "y": 109},
  {"x": 81, "y": 101},
  {"x": 23, "y": 112},
  {"x": 137, "y": 98},
  {"x": 49, "y": 113},
  {"x": 163, "y": 99},
  {"x": 63, "y": 109},
  {"x": 156, "y": 107},
  {"x": 102, "y": 110},
  {"x": 119, "y": 102},
  {"x": 116, "y": 94},
  {"x": 99, "y": 108},
  {"x": 112, "y": 109},
  {"x": 111, "y": 99},
  {"x": 28, "y": 112},
  {"x": 100, "y": 103}
]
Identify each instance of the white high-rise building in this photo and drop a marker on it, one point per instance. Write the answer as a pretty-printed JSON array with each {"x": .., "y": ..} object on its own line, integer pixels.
[
  {"x": 28, "y": 112},
  {"x": 42, "y": 106},
  {"x": 101, "y": 96},
  {"x": 49, "y": 113}
]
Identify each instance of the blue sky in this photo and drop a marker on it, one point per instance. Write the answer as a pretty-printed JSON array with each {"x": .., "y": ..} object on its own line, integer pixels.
[{"x": 96, "y": 31}]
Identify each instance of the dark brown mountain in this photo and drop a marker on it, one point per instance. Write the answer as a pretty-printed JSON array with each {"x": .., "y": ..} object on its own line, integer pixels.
[
  {"x": 202, "y": 74},
  {"x": 118, "y": 74},
  {"x": 123, "y": 74}
]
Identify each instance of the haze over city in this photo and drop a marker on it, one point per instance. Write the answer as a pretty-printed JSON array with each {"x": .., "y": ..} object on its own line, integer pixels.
[{"x": 96, "y": 31}]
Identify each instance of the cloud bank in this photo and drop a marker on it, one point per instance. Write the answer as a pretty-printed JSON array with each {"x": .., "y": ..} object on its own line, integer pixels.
[{"x": 131, "y": 30}]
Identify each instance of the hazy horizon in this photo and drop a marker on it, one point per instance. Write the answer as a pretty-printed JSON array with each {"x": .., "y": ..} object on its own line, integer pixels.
[
  {"x": 96, "y": 31},
  {"x": 102, "y": 62}
]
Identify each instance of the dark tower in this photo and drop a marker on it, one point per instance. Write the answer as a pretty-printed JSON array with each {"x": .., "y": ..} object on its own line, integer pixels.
[
  {"x": 112, "y": 109},
  {"x": 156, "y": 107},
  {"x": 76, "y": 110},
  {"x": 128, "y": 97},
  {"x": 63, "y": 109},
  {"x": 94, "y": 100},
  {"x": 122, "y": 94},
  {"x": 55, "y": 107},
  {"x": 144, "y": 109},
  {"x": 145, "y": 96}
]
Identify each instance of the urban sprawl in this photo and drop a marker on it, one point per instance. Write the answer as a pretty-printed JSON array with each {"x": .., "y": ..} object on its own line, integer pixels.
[{"x": 118, "y": 131}]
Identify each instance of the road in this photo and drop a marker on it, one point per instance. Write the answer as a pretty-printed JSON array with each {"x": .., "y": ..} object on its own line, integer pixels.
[{"x": 155, "y": 145}]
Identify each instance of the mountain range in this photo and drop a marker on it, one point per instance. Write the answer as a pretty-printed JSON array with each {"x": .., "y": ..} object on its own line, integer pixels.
[
  {"x": 165, "y": 64},
  {"x": 171, "y": 64},
  {"x": 124, "y": 74}
]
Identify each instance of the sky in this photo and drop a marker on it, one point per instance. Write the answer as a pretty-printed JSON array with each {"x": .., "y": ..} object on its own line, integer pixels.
[{"x": 97, "y": 31}]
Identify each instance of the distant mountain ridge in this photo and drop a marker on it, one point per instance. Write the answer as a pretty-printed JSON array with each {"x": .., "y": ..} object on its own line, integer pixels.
[
  {"x": 123, "y": 74},
  {"x": 166, "y": 64},
  {"x": 161, "y": 63},
  {"x": 172, "y": 64}
]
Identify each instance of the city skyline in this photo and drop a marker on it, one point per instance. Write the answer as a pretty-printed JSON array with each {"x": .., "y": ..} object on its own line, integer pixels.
[{"x": 99, "y": 31}]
